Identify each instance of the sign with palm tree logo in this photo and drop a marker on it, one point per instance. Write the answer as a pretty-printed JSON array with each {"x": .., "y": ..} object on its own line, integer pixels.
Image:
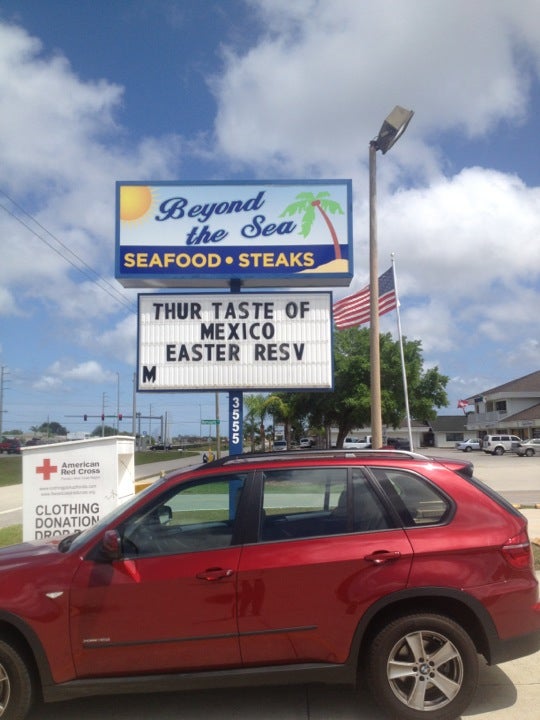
[{"x": 213, "y": 234}]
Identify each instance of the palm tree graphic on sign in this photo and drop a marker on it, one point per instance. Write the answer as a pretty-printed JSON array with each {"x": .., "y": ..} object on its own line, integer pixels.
[{"x": 306, "y": 202}]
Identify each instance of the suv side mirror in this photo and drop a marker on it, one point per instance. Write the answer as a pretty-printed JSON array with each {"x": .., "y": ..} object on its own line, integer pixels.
[{"x": 112, "y": 545}]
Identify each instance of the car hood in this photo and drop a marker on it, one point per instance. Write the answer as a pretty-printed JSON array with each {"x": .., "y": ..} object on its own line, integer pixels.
[{"x": 29, "y": 550}]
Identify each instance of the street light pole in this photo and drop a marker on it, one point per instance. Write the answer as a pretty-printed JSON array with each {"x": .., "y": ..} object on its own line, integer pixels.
[
  {"x": 374, "y": 341},
  {"x": 392, "y": 128}
]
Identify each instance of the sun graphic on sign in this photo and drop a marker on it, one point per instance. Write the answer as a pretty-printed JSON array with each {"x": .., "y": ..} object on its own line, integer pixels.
[{"x": 135, "y": 202}]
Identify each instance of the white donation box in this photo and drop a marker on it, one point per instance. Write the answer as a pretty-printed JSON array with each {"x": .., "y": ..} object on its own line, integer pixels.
[{"x": 69, "y": 486}]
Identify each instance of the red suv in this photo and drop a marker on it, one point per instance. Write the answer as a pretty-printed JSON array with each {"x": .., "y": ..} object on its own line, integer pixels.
[
  {"x": 11, "y": 446},
  {"x": 283, "y": 568}
]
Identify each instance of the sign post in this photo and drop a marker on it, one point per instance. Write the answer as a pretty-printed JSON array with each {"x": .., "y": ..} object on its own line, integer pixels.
[{"x": 236, "y": 423}]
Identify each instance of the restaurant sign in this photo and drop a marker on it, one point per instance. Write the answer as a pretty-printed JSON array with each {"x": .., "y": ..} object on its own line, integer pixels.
[
  {"x": 227, "y": 341},
  {"x": 216, "y": 234}
]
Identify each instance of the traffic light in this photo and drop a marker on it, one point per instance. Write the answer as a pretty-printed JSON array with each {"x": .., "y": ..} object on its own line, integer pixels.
[
  {"x": 102, "y": 417},
  {"x": 85, "y": 417},
  {"x": 119, "y": 416}
]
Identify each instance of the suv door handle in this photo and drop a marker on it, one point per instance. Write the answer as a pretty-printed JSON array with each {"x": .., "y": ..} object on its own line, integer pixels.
[
  {"x": 379, "y": 557},
  {"x": 213, "y": 574}
]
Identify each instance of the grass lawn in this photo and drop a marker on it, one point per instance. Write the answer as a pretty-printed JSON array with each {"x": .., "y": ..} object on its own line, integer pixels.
[
  {"x": 10, "y": 470},
  {"x": 152, "y": 456},
  {"x": 10, "y": 535}
]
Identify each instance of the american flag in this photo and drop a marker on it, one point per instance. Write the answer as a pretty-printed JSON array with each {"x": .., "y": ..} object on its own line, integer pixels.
[
  {"x": 462, "y": 403},
  {"x": 353, "y": 310}
]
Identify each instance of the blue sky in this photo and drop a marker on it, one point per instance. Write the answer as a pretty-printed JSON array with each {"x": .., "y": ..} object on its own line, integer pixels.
[{"x": 94, "y": 92}]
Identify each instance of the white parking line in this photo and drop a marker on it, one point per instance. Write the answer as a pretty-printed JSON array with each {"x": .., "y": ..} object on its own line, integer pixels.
[{"x": 4, "y": 512}]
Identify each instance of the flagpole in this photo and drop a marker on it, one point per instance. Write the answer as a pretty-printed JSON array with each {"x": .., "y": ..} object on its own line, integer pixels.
[{"x": 403, "y": 369}]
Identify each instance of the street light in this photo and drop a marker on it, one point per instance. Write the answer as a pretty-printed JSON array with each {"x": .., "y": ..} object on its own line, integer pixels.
[{"x": 392, "y": 129}]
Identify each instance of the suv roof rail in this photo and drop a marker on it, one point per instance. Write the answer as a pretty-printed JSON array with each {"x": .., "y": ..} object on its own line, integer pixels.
[{"x": 296, "y": 454}]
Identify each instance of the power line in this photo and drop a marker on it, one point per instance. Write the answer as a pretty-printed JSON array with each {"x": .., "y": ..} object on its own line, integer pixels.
[{"x": 83, "y": 267}]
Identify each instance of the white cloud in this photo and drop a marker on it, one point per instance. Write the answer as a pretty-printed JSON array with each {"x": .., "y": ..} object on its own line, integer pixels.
[
  {"x": 71, "y": 114},
  {"x": 121, "y": 341},
  {"x": 63, "y": 372},
  {"x": 463, "y": 234},
  {"x": 313, "y": 92},
  {"x": 62, "y": 150}
]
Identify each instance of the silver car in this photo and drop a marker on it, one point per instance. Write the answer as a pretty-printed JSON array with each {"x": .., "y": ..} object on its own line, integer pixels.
[
  {"x": 529, "y": 447},
  {"x": 468, "y": 445}
]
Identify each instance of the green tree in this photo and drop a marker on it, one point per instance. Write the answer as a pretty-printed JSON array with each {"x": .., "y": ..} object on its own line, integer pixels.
[
  {"x": 283, "y": 410},
  {"x": 349, "y": 405},
  {"x": 50, "y": 428},
  {"x": 107, "y": 431},
  {"x": 257, "y": 411},
  {"x": 251, "y": 432}
]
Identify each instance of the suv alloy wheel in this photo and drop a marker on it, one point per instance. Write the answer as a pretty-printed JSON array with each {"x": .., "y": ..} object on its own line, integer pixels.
[
  {"x": 423, "y": 664},
  {"x": 16, "y": 686}
]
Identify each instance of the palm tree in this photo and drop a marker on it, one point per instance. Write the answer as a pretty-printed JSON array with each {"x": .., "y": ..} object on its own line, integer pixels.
[
  {"x": 306, "y": 204},
  {"x": 283, "y": 412},
  {"x": 257, "y": 410}
]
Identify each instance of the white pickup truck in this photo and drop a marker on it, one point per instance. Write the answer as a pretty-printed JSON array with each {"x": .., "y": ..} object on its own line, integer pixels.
[{"x": 351, "y": 443}]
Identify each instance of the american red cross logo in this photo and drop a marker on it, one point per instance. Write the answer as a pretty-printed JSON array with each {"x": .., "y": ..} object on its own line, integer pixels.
[{"x": 47, "y": 469}]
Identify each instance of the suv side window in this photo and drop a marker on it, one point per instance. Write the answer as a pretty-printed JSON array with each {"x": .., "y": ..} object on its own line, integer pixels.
[
  {"x": 317, "y": 502},
  {"x": 194, "y": 516},
  {"x": 369, "y": 513},
  {"x": 415, "y": 500},
  {"x": 300, "y": 503}
]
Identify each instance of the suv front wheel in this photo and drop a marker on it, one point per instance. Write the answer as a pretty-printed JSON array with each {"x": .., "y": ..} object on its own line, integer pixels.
[
  {"x": 16, "y": 691},
  {"x": 421, "y": 666}
]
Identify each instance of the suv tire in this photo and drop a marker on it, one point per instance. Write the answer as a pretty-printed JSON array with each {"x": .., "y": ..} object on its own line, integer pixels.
[
  {"x": 16, "y": 687},
  {"x": 499, "y": 450},
  {"x": 423, "y": 665}
]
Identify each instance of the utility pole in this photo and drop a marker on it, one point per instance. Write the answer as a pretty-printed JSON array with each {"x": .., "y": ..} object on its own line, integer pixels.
[
  {"x": 134, "y": 413},
  {"x": 1, "y": 396},
  {"x": 103, "y": 415}
]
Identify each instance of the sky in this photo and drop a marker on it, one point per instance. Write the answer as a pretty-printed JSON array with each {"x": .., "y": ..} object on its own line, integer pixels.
[{"x": 195, "y": 90}]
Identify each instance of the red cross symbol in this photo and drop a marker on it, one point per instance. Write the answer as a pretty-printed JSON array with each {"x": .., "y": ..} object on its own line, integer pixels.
[{"x": 47, "y": 469}]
